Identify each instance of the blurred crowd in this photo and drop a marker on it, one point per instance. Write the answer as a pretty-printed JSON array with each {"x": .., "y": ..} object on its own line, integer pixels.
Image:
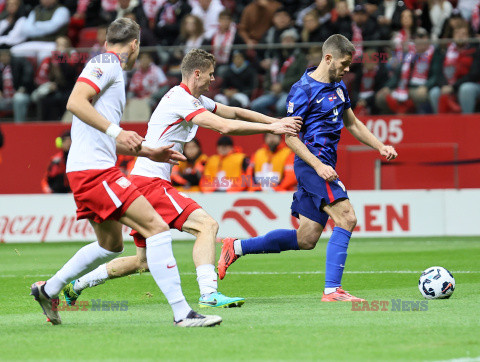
[
  {"x": 262, "y": 47},
  {"x": 270, "y": 168}
]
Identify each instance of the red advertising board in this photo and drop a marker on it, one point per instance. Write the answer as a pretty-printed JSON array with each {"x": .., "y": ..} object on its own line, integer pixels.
[{"x": 435, "y": 151}]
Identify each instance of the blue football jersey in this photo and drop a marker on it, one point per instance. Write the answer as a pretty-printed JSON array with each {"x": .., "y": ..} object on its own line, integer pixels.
[{"x": 321, "y": 106}]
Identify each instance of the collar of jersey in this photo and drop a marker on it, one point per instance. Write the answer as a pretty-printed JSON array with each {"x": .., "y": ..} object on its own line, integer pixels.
[{"x": 184, "y": 86}]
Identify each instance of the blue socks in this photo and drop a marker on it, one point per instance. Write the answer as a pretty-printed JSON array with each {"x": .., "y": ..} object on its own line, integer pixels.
[
  {"x": 273, "y": 242},
  {"x": 336, "y": 256}
]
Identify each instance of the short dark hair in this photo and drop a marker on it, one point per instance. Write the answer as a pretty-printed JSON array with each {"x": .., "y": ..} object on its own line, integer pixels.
[
  {"x": 196, "y": 59},
  {"x": 225, "y": 141},
  {"x": 338, "y": 46},
  {"x": 123, "y": 31}
]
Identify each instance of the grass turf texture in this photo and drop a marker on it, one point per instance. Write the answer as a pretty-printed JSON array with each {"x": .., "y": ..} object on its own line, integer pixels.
[{"x": 282, "y": 319}]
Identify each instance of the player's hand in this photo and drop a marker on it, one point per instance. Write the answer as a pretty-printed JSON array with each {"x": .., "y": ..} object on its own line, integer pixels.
[
  {"x": 166, "y": 154},
  {"x": 327, "y": 173},
  {"x": 389, "y": 152},
  {"x": 130, "y": 139},
  {"x": 290, "y": 124}
]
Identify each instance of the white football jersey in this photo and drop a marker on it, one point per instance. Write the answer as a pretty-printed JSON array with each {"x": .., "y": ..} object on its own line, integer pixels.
[
  {"x": 171, "y": 123},
  {"x": 92, "y": 149}
]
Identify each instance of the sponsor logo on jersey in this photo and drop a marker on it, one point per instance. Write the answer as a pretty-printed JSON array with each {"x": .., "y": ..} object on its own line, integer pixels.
[
  {"x": 123, "y": 182},
  {"x": 340, "y": 94},
  {"x": 97, "y": 72},
  {"x": 290, "y": 107}
]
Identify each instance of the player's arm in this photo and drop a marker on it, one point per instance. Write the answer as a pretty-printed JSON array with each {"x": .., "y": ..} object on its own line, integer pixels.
[
  {"x": 252, "y": 116},
  {"x": 160, "y": 154},
  {"x": 361, "y": 133},
  {"x": 79, "y": 104},
  {"x": 324, "y": 171},
  {"x": 222, "y": 125}
]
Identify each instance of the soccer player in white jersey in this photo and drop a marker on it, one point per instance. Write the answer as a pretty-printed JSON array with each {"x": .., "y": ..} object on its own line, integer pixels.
[
  {"x": 176, "y": 119},
  {"x": 102, "y": 194}
]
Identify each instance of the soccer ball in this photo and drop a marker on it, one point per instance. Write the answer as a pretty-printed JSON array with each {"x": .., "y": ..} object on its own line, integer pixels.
[{"x": 436, "y": 283}]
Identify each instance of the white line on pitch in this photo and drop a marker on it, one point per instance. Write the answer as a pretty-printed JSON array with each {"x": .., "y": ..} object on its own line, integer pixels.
[{"x": 280, "y": 273}]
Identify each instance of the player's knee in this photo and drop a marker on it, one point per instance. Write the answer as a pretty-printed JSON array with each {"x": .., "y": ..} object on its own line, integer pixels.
[
  {"x": 156, "y": 225},
  {"x": 209, "y": 225},
  {"x": 307, "y": 242},
  {"x": 349, "y": 221}
]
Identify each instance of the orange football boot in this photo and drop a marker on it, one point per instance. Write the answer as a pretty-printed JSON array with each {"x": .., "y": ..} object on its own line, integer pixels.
[
  {"x": 340, "y": 295},
  {"x": 227, "y": 257}
]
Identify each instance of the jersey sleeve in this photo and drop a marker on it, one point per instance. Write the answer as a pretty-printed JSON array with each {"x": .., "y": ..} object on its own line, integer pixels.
[
  {"x": 188, "y": 107},
  {"x": 348, "y": 103},
  {"x": 209, "y": 104},
  {"x": 100, "y": 72},
  {"x": 297, "y": 102}
]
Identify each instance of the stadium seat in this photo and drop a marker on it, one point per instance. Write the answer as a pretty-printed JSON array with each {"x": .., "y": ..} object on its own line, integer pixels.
[{"x": 87, "y": 37}]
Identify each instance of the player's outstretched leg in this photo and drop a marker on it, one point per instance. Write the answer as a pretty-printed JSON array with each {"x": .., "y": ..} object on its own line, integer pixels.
[
  {"x": 205, "y": 229},
  {"x": 116, "y": 268},
  {"x": 344, "y": 217},
  {"x": 275, "y": 241}
]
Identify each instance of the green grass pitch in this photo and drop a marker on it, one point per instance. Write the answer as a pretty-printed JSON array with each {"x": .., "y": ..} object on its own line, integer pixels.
[{"x": 282, "y": 319}]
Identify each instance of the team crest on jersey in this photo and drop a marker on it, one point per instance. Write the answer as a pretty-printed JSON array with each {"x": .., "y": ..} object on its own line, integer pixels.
[
  {"x": 123, "y": 182},
  {"x": 340, "y": 94},
  {"x": 197, "y": 104},
  {"x": 290, "y": 107},
  {"x": 97, "y": 73}
]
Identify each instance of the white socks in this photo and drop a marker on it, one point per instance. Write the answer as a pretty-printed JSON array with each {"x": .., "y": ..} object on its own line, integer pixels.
[
  {"x": 207, "y": 279},
  {"x": 84, "y": 261},
  {"x": 330, "y": 290},
  {"x": 237, "y": 246},
  {"x": 92, "y": 279},
  {"x": 163, "y": 268}
]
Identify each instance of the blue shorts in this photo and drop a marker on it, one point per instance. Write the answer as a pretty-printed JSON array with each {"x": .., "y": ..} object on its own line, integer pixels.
[{"x": 313, "y": 193}]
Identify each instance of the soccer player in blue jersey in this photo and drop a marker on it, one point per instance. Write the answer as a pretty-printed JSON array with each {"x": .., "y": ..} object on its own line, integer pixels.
[{"x": 320, "y": 97}]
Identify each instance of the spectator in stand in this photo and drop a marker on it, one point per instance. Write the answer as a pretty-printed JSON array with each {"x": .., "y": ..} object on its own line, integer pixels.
[
  {"x": 168, "y": 20},
  {"x": 224, "y": 171},
  {"x": 402, "y": 38},
  {"x": 271, "y": 167},
  {"x": 342, "y": 24},
  {"x": 388, "y": 17},
  {"x": 150, "y": 8},
  {"x": 370, "y": 77},
  {"x": 439, "y": 12},
  {"x": 44, "y": 24},
  {"x": 16, "y": 75},
  {"x": 85, "y": 15},
  {"x": 191, "y": 36},
  {"x": 208, "y": 11},
  {"x": 282, "y": 20},
  {"x": 313, "y": 31},
  {"x": 454, "y": 70},
  {"x": 240, "y": 80},
  {"x": 11, "y": 24},
  {"x": 148, "y": 81},
  {"x": 55, "y": 180},
  {"x": 222, "y": 41},
  {"x": 408, "y": 89},
  {"x": 187, "y": 174},
  {"x": 286, "y": 68},
  {"x": 133, "y": 9},
  {"x": 322, "y": 7},
  {"x": 364, "y": 28},
  {"x": 56, "y": 77},
  {"x": 256, "y": 19},
  {"x": 454, "y": 21}
]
